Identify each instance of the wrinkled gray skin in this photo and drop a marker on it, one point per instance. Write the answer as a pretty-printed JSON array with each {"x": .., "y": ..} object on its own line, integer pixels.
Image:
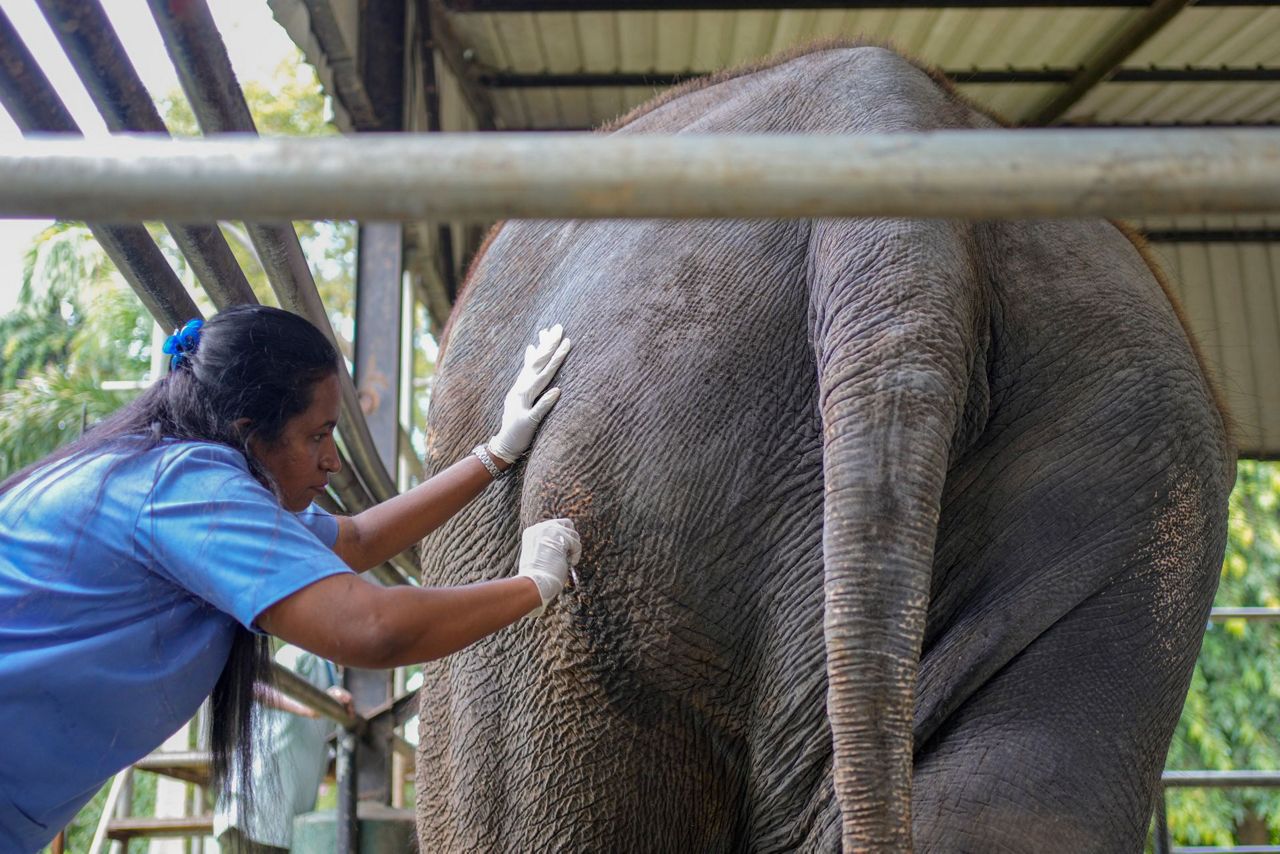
[{"x": 938, "y": 505}]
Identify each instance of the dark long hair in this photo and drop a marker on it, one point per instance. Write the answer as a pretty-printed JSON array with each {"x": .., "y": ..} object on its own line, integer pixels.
[{"x": 254, "y": 365}]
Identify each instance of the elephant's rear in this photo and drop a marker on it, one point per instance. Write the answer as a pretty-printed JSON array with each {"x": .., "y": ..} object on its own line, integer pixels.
[
  {"x": 677, "y": 698},
  {"x": 1061, "y": 642},
  {"x": 686, "y": 447}
]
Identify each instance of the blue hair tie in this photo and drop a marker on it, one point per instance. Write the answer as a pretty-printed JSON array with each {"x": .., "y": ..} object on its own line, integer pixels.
[{"x": 183, "y": 342}]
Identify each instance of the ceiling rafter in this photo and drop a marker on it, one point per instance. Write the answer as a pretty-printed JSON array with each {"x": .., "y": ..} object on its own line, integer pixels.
[
  {"x": 472, "y": 6},
  {"x": 342, "y": 64},
  {"x": 1188, "y": 74},
  {"x": 1108, "y": 58},
  {"x": 440, "y": 36}
]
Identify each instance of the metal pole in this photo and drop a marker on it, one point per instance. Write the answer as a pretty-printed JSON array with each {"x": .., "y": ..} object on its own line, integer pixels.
[
  {"x": 1266, "y": 615},
  {"x": 86, "y": 35},
  {"x": 35, "y": 107},
  {"x": 983, "y": 174},
  {"x": 1161, "y": 841},
  {"x": 1222, "y": 779},
  {"x": 345, "y": 771},
  {"x": 379, "y": 252}
]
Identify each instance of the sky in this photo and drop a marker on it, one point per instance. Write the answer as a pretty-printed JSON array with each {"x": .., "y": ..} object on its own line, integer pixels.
[{"x": 255, "y": 42}]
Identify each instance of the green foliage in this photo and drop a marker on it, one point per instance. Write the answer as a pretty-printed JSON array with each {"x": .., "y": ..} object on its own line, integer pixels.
[
  {"x": 1232, "y": 716},
  {"x": 80, "y": 832},
  {"x": 76, "y": 324}
]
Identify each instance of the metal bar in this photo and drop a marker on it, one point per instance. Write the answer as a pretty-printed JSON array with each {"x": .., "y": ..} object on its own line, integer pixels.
[
  {"x": 348, "y": 815},
  {"x": 87, "y": 37},
  {"x": 1227, "y": 849},
  {"x": 124, "y": 829},
  {"x": 431, "y": 104},
  {"x": 342, "y": 63},
  {"x": 191, "y": 766},
  {"x": 371, "y": 689},
  {"x": 439, "y": 35},
  {"x": 962, "y": 76},
  {"x": 1267, "y": 615},
  {"x": 397, "y": 711},
  {"x": 204, "y": 70},
  {"x": 1160, "y": 836},
  {"x": 1212, "y": 235},
  {"x": 1221, "y": 779},
  {"x": 1107, "y": 59},
  {"x": 379, "y": 252},
  {"x": 467, "y": 6},
  {"x": 313, "y": 698},
  {"x": 402, "y": 747},
  {"x": 970, "y": 173},
  {"x": 118, "y": 788},
  {"x": 428, "y": 282},
  {"x": 381, "y": 52},
  {"x": 35, "y": 107}
]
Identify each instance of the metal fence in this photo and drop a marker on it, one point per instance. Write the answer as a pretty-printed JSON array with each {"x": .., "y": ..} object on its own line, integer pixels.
[
  {"x": 1215, "y": 779},
  {"x": 980, "y": 174}
]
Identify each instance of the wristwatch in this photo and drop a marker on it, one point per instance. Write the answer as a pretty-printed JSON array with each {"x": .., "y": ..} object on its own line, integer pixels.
[{"x": 482, "y": 452}]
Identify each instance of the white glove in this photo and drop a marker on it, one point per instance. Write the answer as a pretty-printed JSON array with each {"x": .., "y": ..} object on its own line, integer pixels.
[
  {"x": 547, "y": 550},
  {"x": 522, "y": 410}
]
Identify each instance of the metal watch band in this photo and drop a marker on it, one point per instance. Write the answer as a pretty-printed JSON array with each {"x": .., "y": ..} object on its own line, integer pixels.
[{"x": 482, "y": 453}]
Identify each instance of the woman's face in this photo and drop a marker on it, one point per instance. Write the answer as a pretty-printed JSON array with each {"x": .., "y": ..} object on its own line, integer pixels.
[{"x": 304, "y": 456}]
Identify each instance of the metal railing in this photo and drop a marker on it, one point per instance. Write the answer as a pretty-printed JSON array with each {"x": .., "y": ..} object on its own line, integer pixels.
[
  {"x": 1215, "y": 779},
  {"x": 986, "y": 174}
]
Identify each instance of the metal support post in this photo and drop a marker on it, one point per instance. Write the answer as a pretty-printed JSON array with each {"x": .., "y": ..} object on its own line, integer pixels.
[
  {"x": 370, "y": 689},
  {"x": 1161, "y": 839},
  {"x": 348, "y": 817},
  {"x": 377, "y": 338}
]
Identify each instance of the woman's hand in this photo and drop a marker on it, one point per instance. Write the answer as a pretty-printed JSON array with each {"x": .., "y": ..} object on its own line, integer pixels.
[
  {"x": 523, "y": 410},
  {"x": 547, "y": 550}
]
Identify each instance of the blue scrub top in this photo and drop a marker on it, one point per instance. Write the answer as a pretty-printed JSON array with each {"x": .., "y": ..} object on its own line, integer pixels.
[{"x": 122, "y": 580}]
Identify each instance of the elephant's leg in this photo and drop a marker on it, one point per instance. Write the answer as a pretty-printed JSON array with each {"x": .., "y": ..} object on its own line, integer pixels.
[
  {"x": 791, "y": 800},
  {"x": 1062, "y": 748}
]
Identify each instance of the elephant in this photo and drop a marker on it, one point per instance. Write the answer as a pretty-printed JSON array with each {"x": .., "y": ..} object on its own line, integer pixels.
[{"x": 897, "y": 534}]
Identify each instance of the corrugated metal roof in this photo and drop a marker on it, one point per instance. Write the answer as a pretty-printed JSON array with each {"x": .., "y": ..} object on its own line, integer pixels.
[
  {"x": 1228, "y": 277},
  {"x": 1230, "y": 292},
  {"x": 951, "y": 39}
]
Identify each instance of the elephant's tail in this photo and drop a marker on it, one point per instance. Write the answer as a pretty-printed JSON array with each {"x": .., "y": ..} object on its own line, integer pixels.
[{"x": 898, "y": 323}]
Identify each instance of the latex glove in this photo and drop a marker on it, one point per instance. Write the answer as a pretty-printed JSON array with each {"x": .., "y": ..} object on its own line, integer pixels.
[
  {"x": 547, "y": 550},
  {"x": 523, "y": 410}
]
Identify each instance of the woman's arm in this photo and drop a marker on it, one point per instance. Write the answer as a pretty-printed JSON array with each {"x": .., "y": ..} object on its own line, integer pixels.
[
  {"x": 383, "y": 531},
  {"x": 352, "y": 621}
]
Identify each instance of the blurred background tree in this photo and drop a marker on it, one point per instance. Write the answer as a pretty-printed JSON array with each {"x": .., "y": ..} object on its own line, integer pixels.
[
  {"x": 77, "y": 325},
  {"x": 1232, "y": 716}
]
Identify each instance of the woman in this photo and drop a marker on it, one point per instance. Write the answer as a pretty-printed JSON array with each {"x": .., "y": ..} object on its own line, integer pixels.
[{"x": 141, "y": 565}]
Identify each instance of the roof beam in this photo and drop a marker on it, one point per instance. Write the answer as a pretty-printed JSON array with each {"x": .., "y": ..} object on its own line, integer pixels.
[
  {"x": 35, "y": 107},
  {"x": 424, "y": 32},
  {"x": 85, "y": 33},
  {"x": 1108, "y": 58},
  {"x": 439, "y": 36},
  {"x": 381, "y": 55},
  {"x": 342, "y": 63},
  {"x": 466, "y": 6},
  {"x": 1258, "y": 74},
  {"x": 1213, "y": 235}
]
